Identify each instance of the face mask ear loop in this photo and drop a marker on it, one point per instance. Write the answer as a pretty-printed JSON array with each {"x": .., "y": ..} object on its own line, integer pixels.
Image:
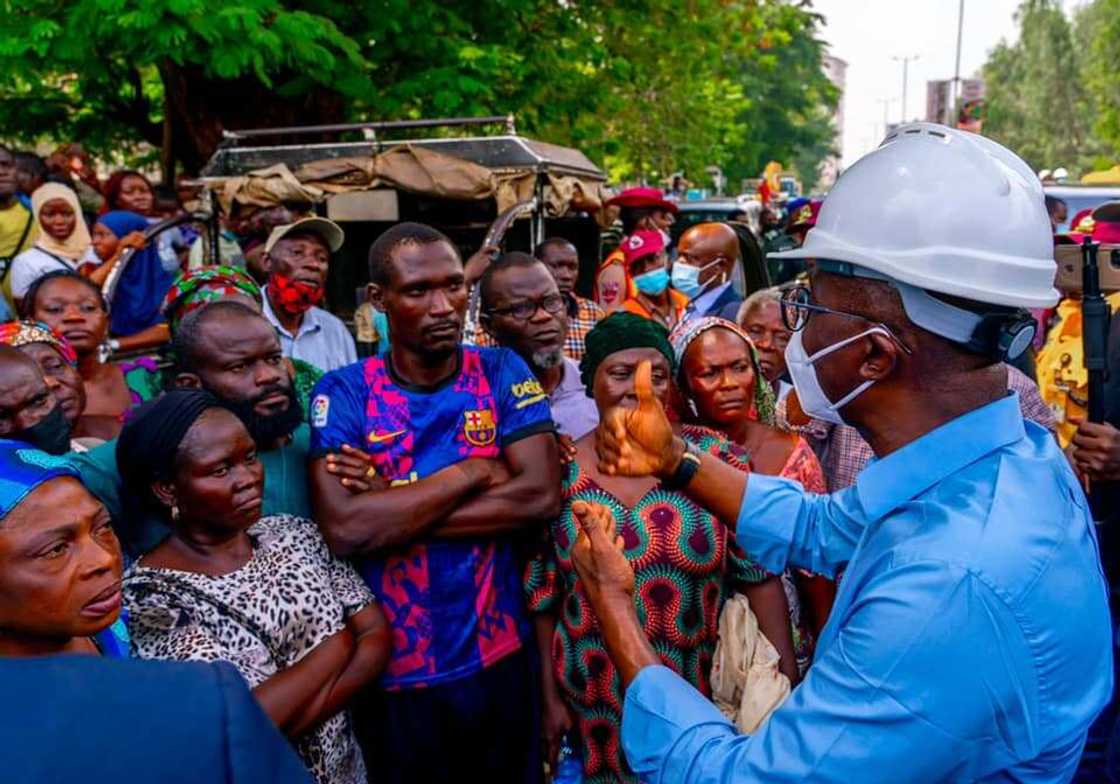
[{"x": 824, "y": 352}]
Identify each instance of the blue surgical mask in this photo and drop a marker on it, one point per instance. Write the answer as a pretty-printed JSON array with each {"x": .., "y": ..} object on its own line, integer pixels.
[
  {"x": 652, "y": 283},
  {"x": 686, "y": 278}
]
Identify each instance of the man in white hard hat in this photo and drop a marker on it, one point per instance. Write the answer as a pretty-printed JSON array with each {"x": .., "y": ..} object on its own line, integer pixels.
[{"x": 970, "y": 639}]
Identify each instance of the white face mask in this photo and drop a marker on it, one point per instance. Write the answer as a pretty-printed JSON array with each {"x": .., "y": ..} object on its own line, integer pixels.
[{"x": 810, "y": 395}]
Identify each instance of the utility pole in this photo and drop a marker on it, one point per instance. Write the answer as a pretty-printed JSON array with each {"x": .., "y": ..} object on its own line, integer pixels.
[
  {"x": 905, "y": 60},
  {"x": 954, "y": 94}
]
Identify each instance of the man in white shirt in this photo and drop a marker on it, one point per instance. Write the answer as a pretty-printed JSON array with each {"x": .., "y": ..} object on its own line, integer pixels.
[{"x": 297, "y": 257}]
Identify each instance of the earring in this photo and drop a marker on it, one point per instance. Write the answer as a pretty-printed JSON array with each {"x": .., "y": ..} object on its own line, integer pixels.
[{"x": 175, "y": 513}]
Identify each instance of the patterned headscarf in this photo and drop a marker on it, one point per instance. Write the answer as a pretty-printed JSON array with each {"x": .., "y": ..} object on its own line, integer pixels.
[
  {"x": 196, "y": 288},
  {"x": 22, "y": 469},
  {"x": 686, "y": 332},
  {"x": 23, "y": 333},
  {"x": 618, "y": 332}
]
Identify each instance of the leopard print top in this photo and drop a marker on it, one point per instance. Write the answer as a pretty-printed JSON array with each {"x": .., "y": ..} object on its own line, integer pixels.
[{"x": 262, "y": 618}]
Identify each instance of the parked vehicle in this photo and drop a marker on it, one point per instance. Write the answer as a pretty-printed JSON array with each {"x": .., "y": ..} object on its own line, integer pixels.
[{"x": 1081, "y": 197}]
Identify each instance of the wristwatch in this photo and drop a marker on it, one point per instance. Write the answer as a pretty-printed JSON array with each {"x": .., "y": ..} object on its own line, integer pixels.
[{"x": 686, "y": 469}]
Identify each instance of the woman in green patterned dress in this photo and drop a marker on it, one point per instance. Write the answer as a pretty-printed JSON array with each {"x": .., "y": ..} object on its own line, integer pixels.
[{"x": 685, "y": 560}]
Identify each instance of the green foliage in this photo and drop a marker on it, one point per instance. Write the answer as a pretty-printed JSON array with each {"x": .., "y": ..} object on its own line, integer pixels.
[
  {"x": 645, "y": 88},
  {"x": 1051, "y": 95}
]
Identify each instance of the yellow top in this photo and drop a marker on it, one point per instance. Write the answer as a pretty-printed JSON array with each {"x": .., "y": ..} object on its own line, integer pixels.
[{"x": 1062, "y": 377}]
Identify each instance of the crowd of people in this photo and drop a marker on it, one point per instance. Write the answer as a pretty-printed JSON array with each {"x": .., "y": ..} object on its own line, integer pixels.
[{"x": 490, "y": 555}]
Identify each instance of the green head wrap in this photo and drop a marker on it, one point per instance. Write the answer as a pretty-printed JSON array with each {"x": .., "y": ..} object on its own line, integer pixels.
[{"x": 618, "y": 332}]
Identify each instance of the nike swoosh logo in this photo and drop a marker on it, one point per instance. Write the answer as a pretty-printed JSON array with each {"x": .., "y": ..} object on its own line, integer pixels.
[{"x": 377, "y": 439}]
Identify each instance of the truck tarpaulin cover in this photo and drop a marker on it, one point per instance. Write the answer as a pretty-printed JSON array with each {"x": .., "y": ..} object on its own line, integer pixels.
[{"x": 409, "y": 168}]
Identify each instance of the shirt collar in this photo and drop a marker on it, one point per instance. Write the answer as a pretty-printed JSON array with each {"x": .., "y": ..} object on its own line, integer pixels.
[
  {"x": 705, "y": 300},
  {"x": 570, "y": 382},
  {"x": 309, "y": 323},
  {"x": 885, "y": 485}
]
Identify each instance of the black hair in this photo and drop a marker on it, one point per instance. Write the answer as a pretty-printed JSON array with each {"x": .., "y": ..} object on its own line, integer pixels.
[
  {"x": 188, "y": 343},
  {"x": 631, "y": 216},
  {"x": 1052, "y": 204},
  {"x": 552, "y": 242},
  {"x": 28, "y": 305},
  {"x": 407, "y": 233},
  {"x": 32, "y": 164},
  {"x": 512, "y": 260}
]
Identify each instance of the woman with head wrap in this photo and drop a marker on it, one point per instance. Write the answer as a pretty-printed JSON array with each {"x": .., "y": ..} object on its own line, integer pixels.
[
  {"x": 60, "y": 564},
  {"x": 686, "y": 561},
  {"x": 59, "y": 364},
  {"x": 72, "y": 306},
  {"x": 199, "y": 287},
  {"x": 143, "y": 282},
  {"x": 723, "y": 387},
  {"x": 63, "y": 243},
  {"x": 264, "y": 594}
]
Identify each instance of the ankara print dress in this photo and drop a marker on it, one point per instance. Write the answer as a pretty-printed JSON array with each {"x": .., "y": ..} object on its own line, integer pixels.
[{"x": 686, "y": 564}]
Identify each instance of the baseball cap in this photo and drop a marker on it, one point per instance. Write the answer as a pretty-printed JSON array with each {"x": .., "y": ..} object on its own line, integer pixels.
[
  {"x": 327, "y": 230},
  {"x": 642, "y": 243}
]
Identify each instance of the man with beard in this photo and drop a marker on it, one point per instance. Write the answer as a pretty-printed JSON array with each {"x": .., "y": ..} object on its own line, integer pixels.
[
  {"x": 524, "y": 310},
  {"x": 296, "y": 257},
  {"x": 29, "y": 411},
  {"x": 463, "y": 439},
  {"x": 233, "y": 352}
]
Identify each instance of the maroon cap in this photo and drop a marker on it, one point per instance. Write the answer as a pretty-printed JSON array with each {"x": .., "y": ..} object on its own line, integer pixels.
[
  {"x": 641, "y": 243},
  {"x": 643, "y": 197},
  {"x": 1102, "y": 224},
  {"x": 805, "y": 216}
]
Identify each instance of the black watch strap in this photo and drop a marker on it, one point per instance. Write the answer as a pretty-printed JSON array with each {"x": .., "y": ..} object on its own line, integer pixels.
[{"x": 686, "y": 469}]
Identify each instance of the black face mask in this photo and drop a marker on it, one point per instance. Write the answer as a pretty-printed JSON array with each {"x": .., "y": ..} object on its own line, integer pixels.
[
  {"x": 267, "y": 430},
  {"x": 51, "y": 434}
]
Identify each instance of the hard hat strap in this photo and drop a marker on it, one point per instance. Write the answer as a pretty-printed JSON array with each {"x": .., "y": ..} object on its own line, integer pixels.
[{"x": 1001, "y": 335}]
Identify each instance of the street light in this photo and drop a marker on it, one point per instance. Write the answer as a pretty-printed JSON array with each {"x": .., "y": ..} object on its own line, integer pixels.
[{"x": 905, "y": 60}]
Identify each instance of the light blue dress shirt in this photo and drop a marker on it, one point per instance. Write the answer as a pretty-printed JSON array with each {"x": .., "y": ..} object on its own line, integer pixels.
[
  {"x": 321, "y": 340},
  {"x": 970, "y": 636}
]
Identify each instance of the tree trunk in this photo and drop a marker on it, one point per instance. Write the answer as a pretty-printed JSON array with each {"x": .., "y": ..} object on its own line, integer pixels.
[{"x": 202, "y": 108}]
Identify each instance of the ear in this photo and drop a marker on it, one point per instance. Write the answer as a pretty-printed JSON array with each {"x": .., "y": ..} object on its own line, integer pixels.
[
  {"x": 266, "y": 262},
  {"x": 376, "y": 295},
  {"x": 164, "y": 493},
  {"x": 881, "y": 359},
  {"x": 188, "y": 381}
]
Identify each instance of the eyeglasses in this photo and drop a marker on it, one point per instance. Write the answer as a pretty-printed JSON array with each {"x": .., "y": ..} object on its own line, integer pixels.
[
  {"x": 523, "y": 311},
  {"x": 797, "y": 307}
]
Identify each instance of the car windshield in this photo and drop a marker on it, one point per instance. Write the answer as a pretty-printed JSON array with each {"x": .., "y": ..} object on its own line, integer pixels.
[{"x": 1078, "y": 202}]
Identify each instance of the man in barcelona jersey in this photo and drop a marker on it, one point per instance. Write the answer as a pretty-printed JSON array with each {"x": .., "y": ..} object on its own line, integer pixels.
[{"x": 463, "y": 460}]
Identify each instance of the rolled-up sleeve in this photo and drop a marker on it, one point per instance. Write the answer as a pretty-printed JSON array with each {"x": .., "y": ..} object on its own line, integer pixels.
[
  {"x": 781, "y": 525},
  {"x": 892, "y": 699}
]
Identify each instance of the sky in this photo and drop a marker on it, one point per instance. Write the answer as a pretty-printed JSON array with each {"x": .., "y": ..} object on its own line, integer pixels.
[{"x": 869, "y": 33}]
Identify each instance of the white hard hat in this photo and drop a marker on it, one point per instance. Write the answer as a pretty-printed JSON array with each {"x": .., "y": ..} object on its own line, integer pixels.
[{"x": 943, "y": 210}]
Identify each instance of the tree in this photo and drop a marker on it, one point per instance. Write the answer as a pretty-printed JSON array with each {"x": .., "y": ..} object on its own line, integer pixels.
[
  {"x": 1097, "y": 31},
  {"x": 1036, "y": 102},
  {"x": 645, "y": 87}
]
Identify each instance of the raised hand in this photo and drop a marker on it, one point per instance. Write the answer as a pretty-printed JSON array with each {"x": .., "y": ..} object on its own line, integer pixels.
[
  {"x": 636, "y": 441},
  {"x": 598, "y": 555}
]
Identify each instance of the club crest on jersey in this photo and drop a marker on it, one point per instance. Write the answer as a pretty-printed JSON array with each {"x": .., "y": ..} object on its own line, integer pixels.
[
  {"x": 479, "y": 428},
  {"x": 320, "y": 408}
]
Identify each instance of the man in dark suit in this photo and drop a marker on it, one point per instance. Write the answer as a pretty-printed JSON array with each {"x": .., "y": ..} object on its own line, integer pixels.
[
  {"x": 83, "y": 718},
  {"x": 706, "y": 256}
]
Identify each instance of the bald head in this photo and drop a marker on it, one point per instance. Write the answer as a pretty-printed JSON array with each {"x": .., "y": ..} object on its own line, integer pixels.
[
  {"x": 709, "y": 240},
  {"x": 713, "y": 248}
]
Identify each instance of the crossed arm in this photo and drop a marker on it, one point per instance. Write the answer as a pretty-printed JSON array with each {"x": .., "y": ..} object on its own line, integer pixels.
[{"x": 474, "y": 497}]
